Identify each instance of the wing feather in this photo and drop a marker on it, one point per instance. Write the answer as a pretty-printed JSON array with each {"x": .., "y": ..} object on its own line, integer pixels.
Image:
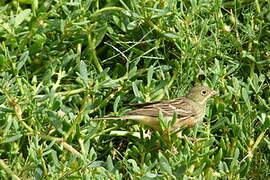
[{"x": 181, "y": 106}]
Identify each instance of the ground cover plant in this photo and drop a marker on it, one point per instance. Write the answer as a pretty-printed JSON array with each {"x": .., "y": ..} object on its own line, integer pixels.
[{"x": 65, "y": 62}]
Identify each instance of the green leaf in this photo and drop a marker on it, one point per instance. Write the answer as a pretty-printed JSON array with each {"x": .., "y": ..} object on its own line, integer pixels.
[
  {"x": 132, "y": 25},
  {"x": 135, "y": 167},
  {"x": 248, "y": 55},
  {"x": 171, "y": 35},
  {"x": 100, "y": 33},
  {"x": 136, "y": 91},
  {"x": 25, "y": 1},
  {"x": 236, "y": 86},
  {"x": 21, "y": 17},
  {"x": 92, "y": 155},
  {"x": 150, "y": 75},
  {"x": 86, "y": 148},
  {"x": 12, "y": 138},
  {"x": 55, "y": 120},
  {"x": 235, "y": 160},
  {"x": 246, "y": 98},
  {"x": 87, "y": 4},
  {"x": 22, "y": 60},
  {"x": 218, "y": 156},
  {"x": 55, "y": 159},
  {"x": 164, "y": 164},
  {"x": 116, "y": 102},
  {"x": 132, "y": 72},
  {"x": 173, "y": 119},
  {"x": 150, "y": 175},
  {"x": 3, "y": 109},
  {"x": 110, "y": 165},
  {"x": 95, "y": 164},
  {"x": 83, "y": 72},
  {"x": 2, "y": 99},
  {"x": 199, "y": 170},
  {"x": 162, "y": 122},
  {"x": 233, "y": 69}
]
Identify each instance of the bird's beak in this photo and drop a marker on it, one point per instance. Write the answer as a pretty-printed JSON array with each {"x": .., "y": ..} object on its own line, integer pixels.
[{"x": 214, "y": 93}]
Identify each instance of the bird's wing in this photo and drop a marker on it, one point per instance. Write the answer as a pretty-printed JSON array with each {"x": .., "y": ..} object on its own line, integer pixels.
[
  {"x": 181, "y": 106},
  {"x": 140, "y": 105}
]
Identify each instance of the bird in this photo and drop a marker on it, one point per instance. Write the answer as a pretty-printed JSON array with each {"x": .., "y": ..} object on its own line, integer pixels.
[{"x": 189, "y": 109}]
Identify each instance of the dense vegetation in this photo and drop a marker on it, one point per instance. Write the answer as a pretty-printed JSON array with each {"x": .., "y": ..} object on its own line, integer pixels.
[{"x": 66, "y": 62}]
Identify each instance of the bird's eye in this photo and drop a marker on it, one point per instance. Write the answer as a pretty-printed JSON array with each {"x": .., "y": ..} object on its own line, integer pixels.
[{"x": 203, "y": 92}]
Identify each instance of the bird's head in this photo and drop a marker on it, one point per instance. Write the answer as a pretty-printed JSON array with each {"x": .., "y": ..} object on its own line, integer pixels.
[{"x": 200, "y": 94}]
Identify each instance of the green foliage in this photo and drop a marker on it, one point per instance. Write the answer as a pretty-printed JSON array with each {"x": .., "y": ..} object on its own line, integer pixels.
[{"x": 64, "y": 63}]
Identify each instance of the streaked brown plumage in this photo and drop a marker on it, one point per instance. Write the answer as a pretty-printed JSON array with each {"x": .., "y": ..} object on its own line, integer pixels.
[{"x": 190, "y": 109}]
